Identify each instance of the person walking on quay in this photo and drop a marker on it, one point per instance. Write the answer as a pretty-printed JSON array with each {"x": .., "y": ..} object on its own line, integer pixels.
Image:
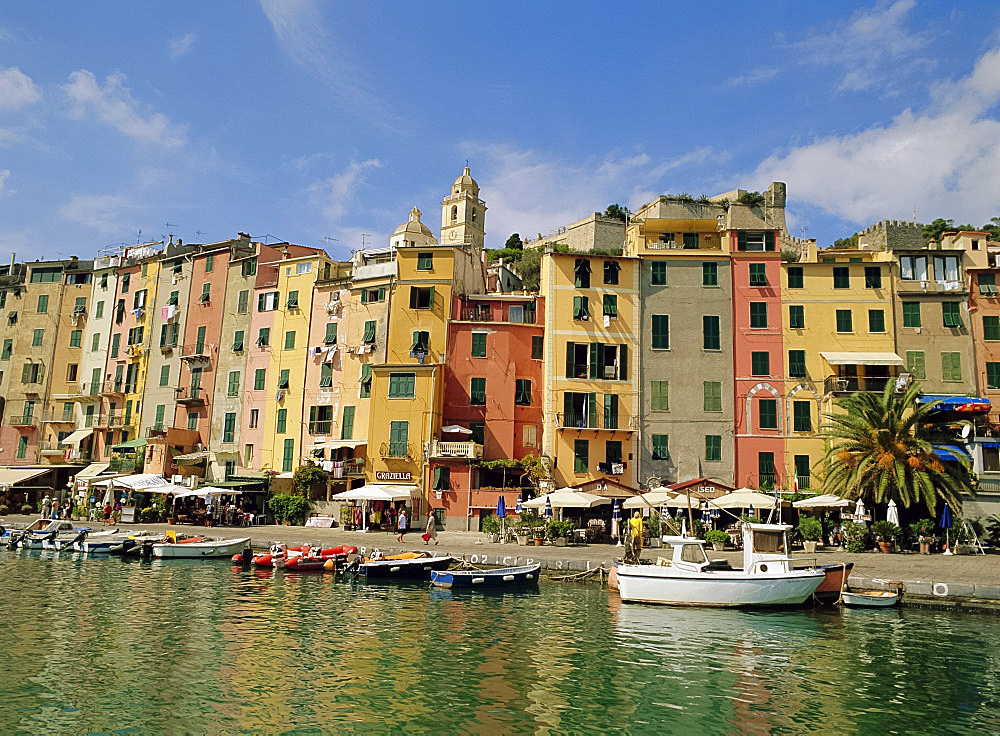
[
  {"x": 46, "y": 507},
  {"x": 431, "y": 531},
  {"x": 55, "y": 508},
  {"x": 107, "y": 512},
  {"x": 401, "y": 524}
]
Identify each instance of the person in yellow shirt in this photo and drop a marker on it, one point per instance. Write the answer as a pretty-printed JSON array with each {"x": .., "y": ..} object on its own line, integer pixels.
[{"x": 634, "y": 547}]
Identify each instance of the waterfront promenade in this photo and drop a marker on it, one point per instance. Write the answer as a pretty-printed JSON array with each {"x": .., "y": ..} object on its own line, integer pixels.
[{"x": 958, "y": 578}]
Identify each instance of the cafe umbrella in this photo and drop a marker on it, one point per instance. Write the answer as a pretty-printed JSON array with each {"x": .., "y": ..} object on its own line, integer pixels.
[
  {"x": 502, "y": 515},
  {"x": 616, "y": 517},
  {"x": 945, "y": 523}
]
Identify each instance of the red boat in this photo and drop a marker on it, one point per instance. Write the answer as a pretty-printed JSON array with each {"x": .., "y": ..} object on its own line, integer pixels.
[{"x": 301, "y": 558}]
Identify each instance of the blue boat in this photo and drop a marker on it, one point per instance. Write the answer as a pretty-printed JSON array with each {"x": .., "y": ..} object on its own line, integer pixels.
[{"x": 505, "y": 577}]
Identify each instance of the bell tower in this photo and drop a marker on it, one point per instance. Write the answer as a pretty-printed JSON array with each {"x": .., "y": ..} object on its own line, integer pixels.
[{"x": 463, "y": 213}]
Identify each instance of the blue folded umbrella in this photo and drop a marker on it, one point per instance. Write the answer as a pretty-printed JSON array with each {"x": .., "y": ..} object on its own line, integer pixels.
[
  {"x": 501, "y": 508},
  {"x": 945, "y": 521}
]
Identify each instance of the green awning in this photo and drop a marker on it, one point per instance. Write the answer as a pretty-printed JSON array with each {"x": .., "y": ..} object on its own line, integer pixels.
[
  {"x": 241, "y": 484},
  {"x": 131, "y": 444}
]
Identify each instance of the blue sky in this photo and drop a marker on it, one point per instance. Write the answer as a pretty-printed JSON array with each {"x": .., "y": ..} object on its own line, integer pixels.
[{"x": 324, "y": 123}]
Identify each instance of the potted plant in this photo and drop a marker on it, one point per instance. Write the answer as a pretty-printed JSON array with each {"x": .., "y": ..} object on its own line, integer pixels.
[
  {"x": 717, "y": 538},
  {"x": 811, "y": 531},
  {"x": 27, "y": 509},
  {"x": 558, "y": 531},
  {"x": 923, "y": 530},
  {"x": 885, "y": 532},
  {"x": 524, "y": 529},
  {"x": 490, "y": 526},
  {"x": 855, "y": 536},
  {"x": 652, "y": 525}
]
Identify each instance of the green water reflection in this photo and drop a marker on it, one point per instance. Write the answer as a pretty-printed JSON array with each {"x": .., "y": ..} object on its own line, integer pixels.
[{"x": 194, "y": 646}]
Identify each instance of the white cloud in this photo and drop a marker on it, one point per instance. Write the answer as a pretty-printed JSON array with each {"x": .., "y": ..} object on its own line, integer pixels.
[
  {"x": 944, "y": 162},
  {"x": 114, "y": 105},
  {"x": 334, "y": 195},
  {"x": 17, "y": 89},
  {"x": 753, "y": 77},
  {"x": 181, "y": 46},
  {"x": 4, "y": 176},
  {"x": 867, "y": 45},
  {"x": 106, "y": 213}
]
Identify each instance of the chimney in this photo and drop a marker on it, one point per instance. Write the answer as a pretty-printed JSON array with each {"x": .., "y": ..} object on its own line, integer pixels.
[
  {"x": 179, "y": 242},
  {"x": 13, "y": 256},
  {"x": 171, "y": 240}
]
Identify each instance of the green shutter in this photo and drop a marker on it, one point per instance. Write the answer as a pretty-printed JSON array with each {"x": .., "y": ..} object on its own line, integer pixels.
[
  {"x": 570, "y": 358},
  {"x": 659, "y": 396},
  {"x": 592, "y": 409},
  {"x": 258, "y": 379},
  {"x": 347, "y": 427},
  {"x": 713, "y": 395},
  {"x": 282, "y": 421},
  {"x": 165, "y": 375},
  {"x": 915, "y": 365},
  {"x": 326, "y": 375},
  {"x": 330, "y": 338},
  {"x": 610, "y": 411},
  {"x": 595, "y": 359},
  {"x": 234, "y": 383}
]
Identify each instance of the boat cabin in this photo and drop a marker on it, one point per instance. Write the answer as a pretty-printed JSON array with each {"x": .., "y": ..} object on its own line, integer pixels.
[
  {"x": 44, "y": 525},
  {"x": 765, "y": 548}
]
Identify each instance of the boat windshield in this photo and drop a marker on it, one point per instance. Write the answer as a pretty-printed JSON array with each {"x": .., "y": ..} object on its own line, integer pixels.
[
  {"x": 769, "y": 542},
  {"x": 693, "y": 553}
]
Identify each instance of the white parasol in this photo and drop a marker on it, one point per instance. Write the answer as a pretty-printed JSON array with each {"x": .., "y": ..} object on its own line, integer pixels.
[{"x": 892, "y": 515}]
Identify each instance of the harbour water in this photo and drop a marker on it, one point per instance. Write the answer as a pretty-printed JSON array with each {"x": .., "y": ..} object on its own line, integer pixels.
[{"x": 102, "y": 645}]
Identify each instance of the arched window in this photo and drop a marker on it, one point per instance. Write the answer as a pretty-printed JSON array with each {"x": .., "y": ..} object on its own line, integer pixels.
[
  {"x": 454, "y": 212},
  {"x": 473, "y": 215}
]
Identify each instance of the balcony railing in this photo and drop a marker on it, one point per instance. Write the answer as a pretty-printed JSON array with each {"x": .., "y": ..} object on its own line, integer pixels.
[
  {"x": 126, "y": 464},
  {"x": 399, "y": 450},
  {"x": 94, "y": 420},
  {"x": 195, "y": 352},
  {"x": 23, "y": 420},
  {"x": 90, "y": 388},
  {"x": 351, "y": 468},
  {"x": 118, "y": 386},
  {"x": 191, "y": 395},
  {"x": 58, "y": 416},
  {"x": 320, "y": 427},
  {"x": 853, "y": 384},
  {"x": 156, "y": 429},
  {"x": 116, "y": 419},
  {"x": 597, "y": 420},
  {"x": 466, "y": 450}
]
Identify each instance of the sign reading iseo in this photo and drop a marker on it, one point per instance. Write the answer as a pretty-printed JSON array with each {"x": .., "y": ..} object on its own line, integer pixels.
[{"x": 386, "y": 475}]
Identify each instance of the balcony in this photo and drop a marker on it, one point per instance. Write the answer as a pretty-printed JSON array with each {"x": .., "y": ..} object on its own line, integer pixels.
[
  {"x": 118, "y": 419},
  {"x": 853, "y": 384},
  {"x": 89, "y": 390},
  {"x": 49, "y": 448},
  {"x": 24, "y": 421},
  {"x": 397, "y": 450},
  {"x": 320, "y": 427},
  {"x": 484, "y": 313},
  {"x": 352, "y": 468},
  {"x": 459, "y": 450},
  {"x": 57, "y": 417},
  {"x": 94, "y": 420},
  {"x": 118, "y": 386},
  {"x": 157, "y": 429},
  {"x": 198, "y": 352},
  {"x": 190, "y": 395},
  {"x": 597, "y": 420},
  {"x": 125, "y": 464}
]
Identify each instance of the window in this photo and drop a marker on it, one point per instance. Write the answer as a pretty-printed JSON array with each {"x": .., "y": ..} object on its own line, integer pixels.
[
  {"x": 991, "y": 327},
  {"x": 795, "y": 277},
  {"x": 267, "y": 302},
  {"x": 661, "y": 447},
  {"x": 755, "y": 241},
  {"x": 206, "y": 293},
  {"x": 661, "y": 332},
  {"x": 43, "y": 304},
  {"x": 115, "y": 344},
  {"x": 915, "y": 365},
  {"x": 421, "y": 297},
  {"x": 765, "y": 470},
  {"x": 529, "y": 435},
  {"x": 264, "y": 337},
  {"x": 288, "y": 455},
  {"x": 120, "y": 311},
  {"x": 522, "y": 392},
  {"x": 666, "y": 240},
  {"x": 611, "y": 269},
  {"x": 478, "y": 432},
  {"x": 139, "y": 300},
  {"x": 75, "y": 338},
  {"x": 709, "y": 274},
  {"x": 38, "y": 338},
  {"x": 399, "y": 437},
  {"x": 690, "y": 241},
  {"x": 911, "y": 314},
  {"x": 373, "y": 295},
  {"x": 126, "y": 281},
  {"x": 477, "y": 392},
  {"x": 713, "y": 395},
  {"x": 612, "y": 453},
  {"x": 247, "y": 455},
  {"x": 802, "y": 470},
  {"x": 515, "y": 314},
  {"x": 330, "y": 336},
  {"x": 841, "y": 277},
  {"x": 229, "y": 427},
  {"x": 48, "y": 275},
  {"x": 581, "y": 271},
  {"x": 758, "y": 274},
  {"x": 95, "y": 342},
  {"x": 768, "y": 410},
  {"x": 71, "y": 371},
  {"x": 801, "y": 416},
  {"x": 576, "y": 360},
  {"x": 442, "y": 478},
  {"x": 659, "y": 395},
  {"x": 946, "y": 269},
  {"x": 758, "y": 315},
  {"x": 711, "y": 337},
  {"x": 952, "y": 312},
  {"x": 844, "y": 321},
  {"x": 369, "y": 336},
  {"x": 199, "y": 340},
  {"x": 283, "y": 379},
  {"x": 161, "y": 409},
  {"x": 249, "y": 267},
  {"x": 259, "y": 376},
  {"x": 951, "y": 366},
  {"x": 22, "y": 444},
  {"x": 611, "y": 306},
  {"x": 99, "y": 310},
  {"x": 237, "y": 341},
  {"x": 402, "y": 385},
  {"x": 425, "y": 261},
  {"x": 254, "y": 418},
  {"x": 760, "y": 363},
  {"x": 80, "y": 305},
  {"x": 192, "y": 418},
  {"x": 290, "y": 340},
  {"x": 282, "y": 421},
  {"x": 537, "y": 345},
  {"x": 581, "y": 452},
  {"x": 581, "y": 308},
  {"x": 8, "y": 347},
  {"x": 366, "y": 381},
  {"x": 347, "y": 425},
  {"x": 326, "y": 375},
  {"x": 797, "y": 363},
  {"x": 420, "y": 344},
  {"x": 610, "y": 411},
  {"x": 987, "y": 284},
  {"x": 876, "y": 320},
  {"x": 713, "y": 447},
  {"x": 913, "y": 268},
  {"x": 796, "y": 317},
  {"x": 293, "y": 300},
  {"x": 234, "y": 383},
  {"x": 165, "y": 375},
  {"x": 300, "y": 268},
  {"x": 993, "y": 375},
  {"x": 873, "y": 277},
  {"x": 658, "y": 275},
  {"x": 243, "y": 303}
]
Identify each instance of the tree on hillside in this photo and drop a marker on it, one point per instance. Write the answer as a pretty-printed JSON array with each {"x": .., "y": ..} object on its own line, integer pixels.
[
  {"x": 618, "y": 212},
  {"x": 993, "y": 228},
  {"x": 514, "y": 242},
  {"x": 851, "y": 242},
  {"x": 934, "y": 230},
  {"x": 879, "y": 448},
  {"x": 530, "y": 267}
]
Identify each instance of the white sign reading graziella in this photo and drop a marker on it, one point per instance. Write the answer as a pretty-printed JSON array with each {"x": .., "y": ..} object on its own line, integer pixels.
[{"x": 386, "y": 475}]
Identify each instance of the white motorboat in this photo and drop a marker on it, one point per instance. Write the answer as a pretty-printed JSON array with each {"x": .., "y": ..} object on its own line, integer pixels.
[
  {"x": 686, "y": 577},
  {"x": 102, "y": 542},
  {"x": 203, "y": 548},
  {"x": 46, "y": 534}
]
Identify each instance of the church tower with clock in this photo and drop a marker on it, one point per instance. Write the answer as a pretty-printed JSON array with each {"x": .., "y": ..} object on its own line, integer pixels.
[{"x": 463, "y": 213}]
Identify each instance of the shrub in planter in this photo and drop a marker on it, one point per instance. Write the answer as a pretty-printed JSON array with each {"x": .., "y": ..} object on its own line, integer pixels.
[
  {"x": 717, "y": 538},
  {"x": 558, "y": 529},
  {"x": 288, "y": 507},
  {"x": 810, "y": 529},
  {"x": 856, "y": 536},
  {"x": 4, "y": 510},
  {"x": 490, "y": 525},
  {"x": 27, "y": 509},
  {"x": 149, "y": 515}
]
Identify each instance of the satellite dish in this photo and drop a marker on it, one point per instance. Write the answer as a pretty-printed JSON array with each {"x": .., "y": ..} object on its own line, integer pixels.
[{"x": 966, "y": 431}]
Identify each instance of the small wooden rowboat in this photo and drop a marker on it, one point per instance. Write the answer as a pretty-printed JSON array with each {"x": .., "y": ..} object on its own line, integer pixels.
[
  {"x": 405, "y": 566},
  {"x": 506, "y": 577},
  {"x": 875, "y": 598}
]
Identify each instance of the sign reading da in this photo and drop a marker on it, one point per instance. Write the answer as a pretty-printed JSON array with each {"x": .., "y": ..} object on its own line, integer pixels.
[{"x": 386, "y": 475}]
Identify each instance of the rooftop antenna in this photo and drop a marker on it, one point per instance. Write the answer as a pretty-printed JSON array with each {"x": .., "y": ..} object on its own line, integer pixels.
[
  {"x": 327, "y": 239},
  {"x": 138, "y": 236},
  {"x": 199, "y": 233},
  {"x": 364, "y": 245}
]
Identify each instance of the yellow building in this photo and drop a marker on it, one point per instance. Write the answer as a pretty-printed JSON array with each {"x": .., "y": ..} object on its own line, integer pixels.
[
  {"x": 839, "y": 338},
  {"x": 407, "y": 388},
  {"x": 591, "y": 402},
  {"x": 139, "y": 340}
]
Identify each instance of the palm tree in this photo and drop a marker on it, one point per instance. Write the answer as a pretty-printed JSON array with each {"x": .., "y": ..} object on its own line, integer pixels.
[{"x": 881, "y": 448}]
